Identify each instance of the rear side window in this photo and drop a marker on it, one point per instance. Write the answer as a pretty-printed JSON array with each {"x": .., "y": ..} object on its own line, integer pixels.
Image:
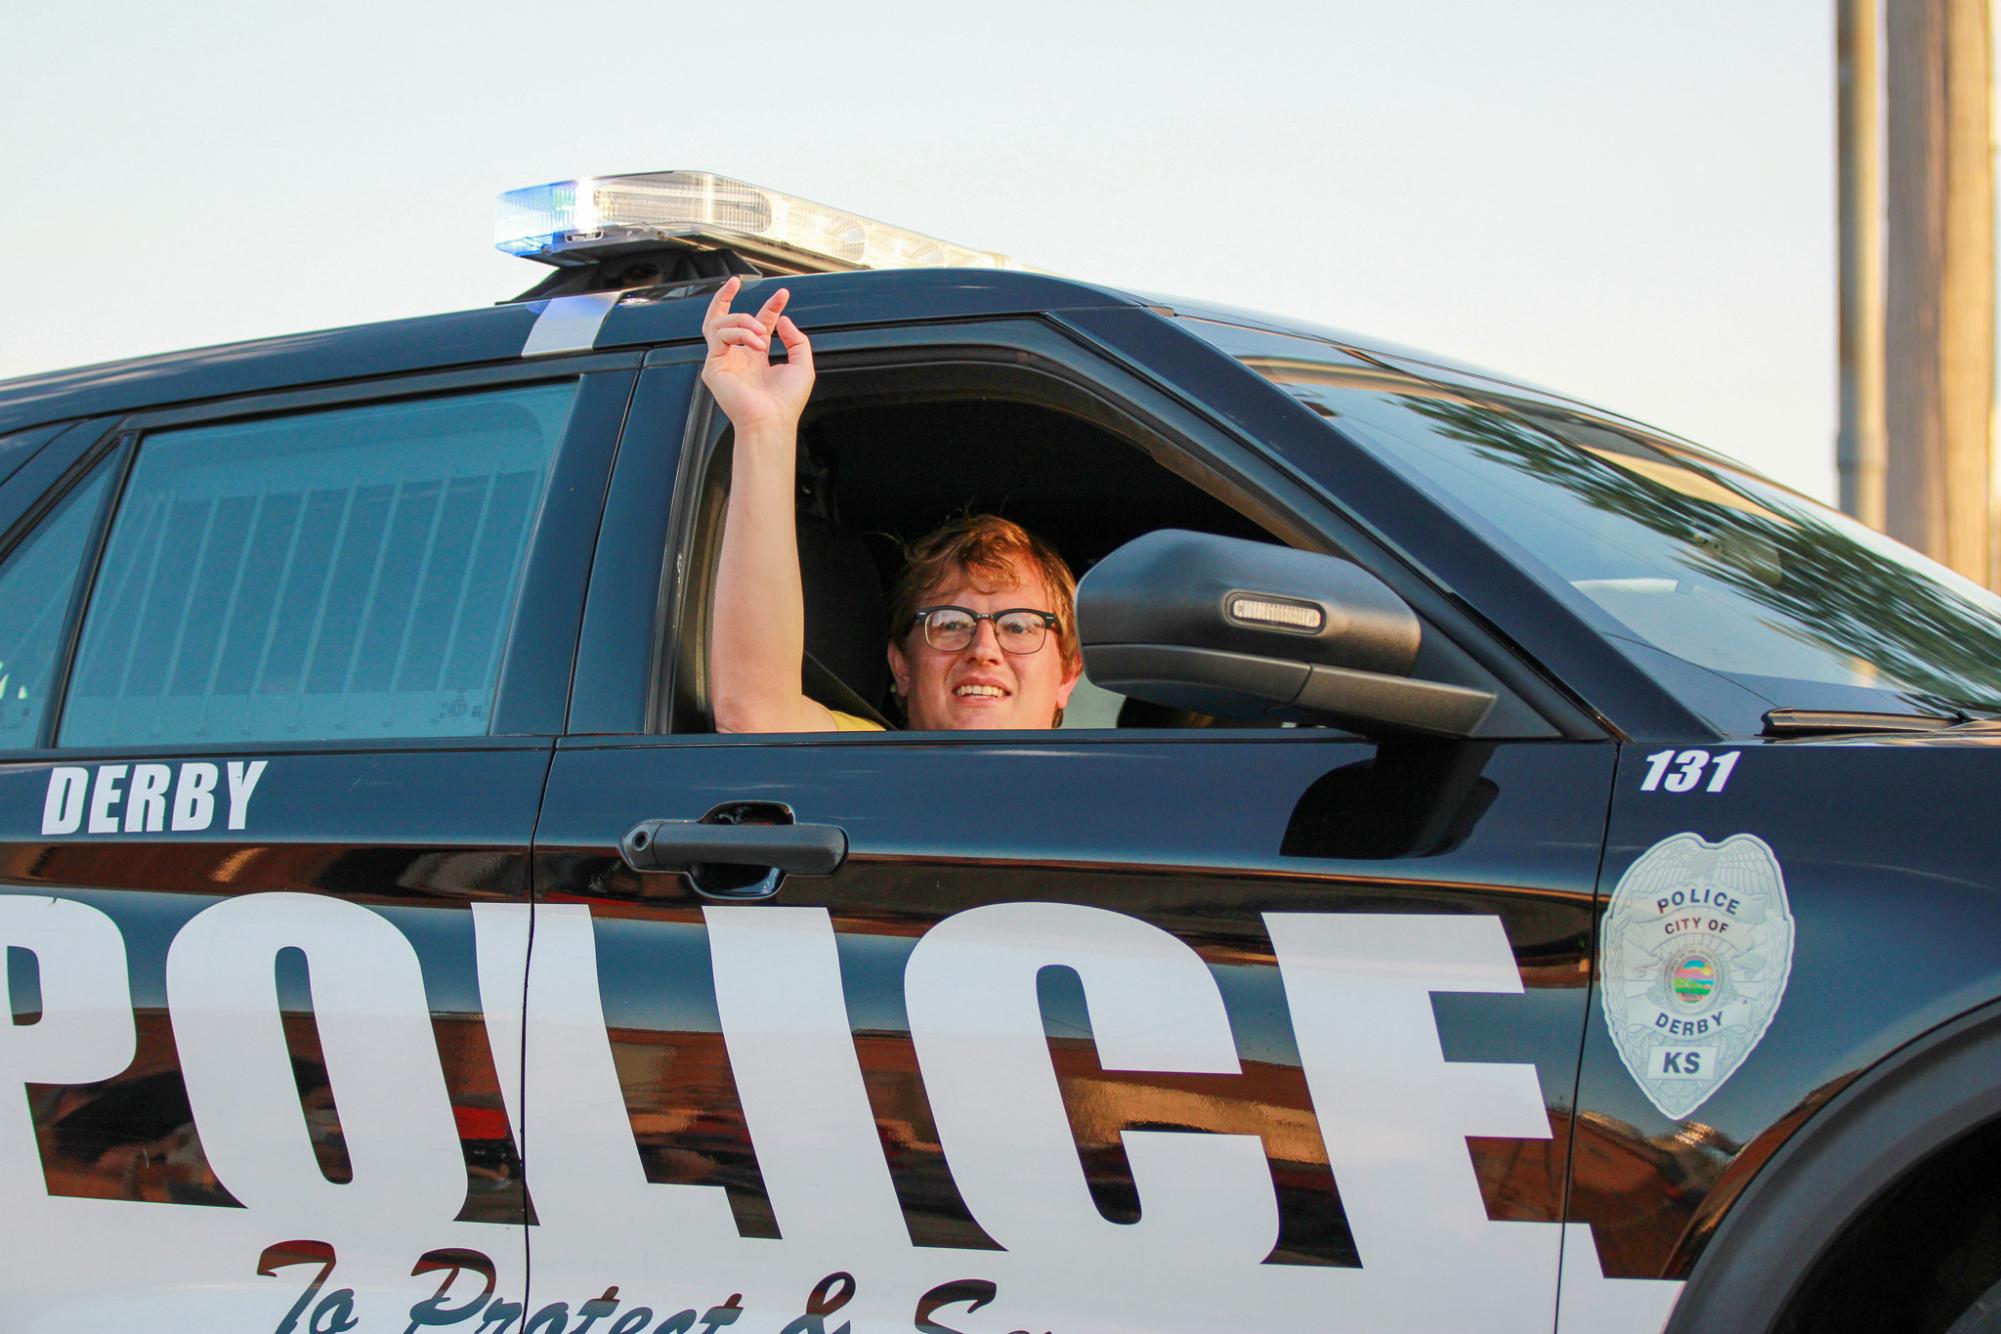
[
  {"x": 36, "y": 581},
  {"x": 349, "y": 573}
]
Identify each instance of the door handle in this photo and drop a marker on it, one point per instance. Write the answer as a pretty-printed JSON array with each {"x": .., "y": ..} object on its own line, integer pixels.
[{"x": 738, "y": 851}]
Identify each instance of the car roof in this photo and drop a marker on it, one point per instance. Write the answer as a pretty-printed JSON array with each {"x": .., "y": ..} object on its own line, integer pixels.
[
  {"x": 646, "y": 317},
  {"x": 640, "y": 318}
]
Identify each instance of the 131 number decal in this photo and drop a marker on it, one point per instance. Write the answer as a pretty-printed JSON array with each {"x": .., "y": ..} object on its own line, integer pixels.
[{"x": 1682, "y": 771}]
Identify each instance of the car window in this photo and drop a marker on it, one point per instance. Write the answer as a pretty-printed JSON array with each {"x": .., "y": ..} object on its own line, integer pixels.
[
  {"x": 875, "y": 477},
  {"x": 346, "y": 573},
  {"x": 36, "y": 581},
  {"x": 1676, "y": 557}
]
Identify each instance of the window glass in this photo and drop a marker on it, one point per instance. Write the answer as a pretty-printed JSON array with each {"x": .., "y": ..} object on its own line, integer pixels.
[
  {"x": 349, "y": 573},
  {"x": 1668, "y": 551},
  {"x": 35, "y": 585}
]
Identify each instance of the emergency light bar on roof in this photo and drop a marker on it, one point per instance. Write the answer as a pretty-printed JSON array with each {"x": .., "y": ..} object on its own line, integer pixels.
[{"x": 574, "y": 223}]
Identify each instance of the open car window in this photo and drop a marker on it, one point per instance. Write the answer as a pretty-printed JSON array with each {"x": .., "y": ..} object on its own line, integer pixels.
[
  {"x": 889, "y": 451},
  {"x": 885, "y": 456}
]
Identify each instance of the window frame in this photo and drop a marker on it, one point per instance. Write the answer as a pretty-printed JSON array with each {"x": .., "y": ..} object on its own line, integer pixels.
[
  {"x": 113, "y": 451},
  {"x": 1176, "y": 434},
  {"x": 18, "y": 447},
  {"x": 532, "y": 688},
  {"x": 45, "y": 476}
]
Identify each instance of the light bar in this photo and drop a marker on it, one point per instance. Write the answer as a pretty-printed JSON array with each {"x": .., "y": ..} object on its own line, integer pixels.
[{"x": 574, "y": 222}]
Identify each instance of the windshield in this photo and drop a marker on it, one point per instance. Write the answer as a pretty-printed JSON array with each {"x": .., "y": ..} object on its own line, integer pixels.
[{"x": 1731, "y": 589}]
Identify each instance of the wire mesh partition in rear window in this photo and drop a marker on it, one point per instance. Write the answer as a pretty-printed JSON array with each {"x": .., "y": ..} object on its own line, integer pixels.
[{"x": 349, "y": 573}]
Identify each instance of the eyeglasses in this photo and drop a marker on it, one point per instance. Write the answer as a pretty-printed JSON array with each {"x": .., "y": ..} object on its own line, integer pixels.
[{"x": 1016, "y": 629}]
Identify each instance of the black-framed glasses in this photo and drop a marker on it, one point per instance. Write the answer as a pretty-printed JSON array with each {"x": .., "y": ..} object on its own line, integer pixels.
[{"x": 1016, "y": 629}]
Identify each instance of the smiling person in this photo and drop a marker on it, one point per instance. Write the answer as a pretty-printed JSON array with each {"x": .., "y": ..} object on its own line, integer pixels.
[{"x": 982, "y": 625}]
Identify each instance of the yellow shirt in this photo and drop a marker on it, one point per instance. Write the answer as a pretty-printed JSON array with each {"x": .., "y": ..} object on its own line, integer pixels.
[{"x": 848, "y": 722}]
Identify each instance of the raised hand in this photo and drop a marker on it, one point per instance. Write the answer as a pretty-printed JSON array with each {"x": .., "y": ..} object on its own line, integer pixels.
[{"x": 751, "y": 388}]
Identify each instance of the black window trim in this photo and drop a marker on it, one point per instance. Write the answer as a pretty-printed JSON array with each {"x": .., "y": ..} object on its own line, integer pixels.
[
  {"x": 384, "y": 389},
  {"x": 47, "y": 476},
  {"x": 29, "y": 441},
  {"x": 113, "y": 452}
]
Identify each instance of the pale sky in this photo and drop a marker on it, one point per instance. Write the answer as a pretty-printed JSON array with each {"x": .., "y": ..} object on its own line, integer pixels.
[{"x": 1633, "y": 203}]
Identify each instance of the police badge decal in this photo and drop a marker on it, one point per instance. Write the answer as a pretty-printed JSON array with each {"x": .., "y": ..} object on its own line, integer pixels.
[{"x": 1697, "y": 943}]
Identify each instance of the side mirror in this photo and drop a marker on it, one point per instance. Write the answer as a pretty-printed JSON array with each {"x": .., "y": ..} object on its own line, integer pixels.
[{"x": 1241, "y": 629}]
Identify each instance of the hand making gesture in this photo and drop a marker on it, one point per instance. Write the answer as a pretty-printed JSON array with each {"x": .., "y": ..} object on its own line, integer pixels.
[
  {"x": 753, "y": 390},
  {"x": 757, "y": 638}
]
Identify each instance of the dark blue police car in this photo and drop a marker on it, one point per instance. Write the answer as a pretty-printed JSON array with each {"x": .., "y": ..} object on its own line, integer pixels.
[{"x": 1511, "y": 869}]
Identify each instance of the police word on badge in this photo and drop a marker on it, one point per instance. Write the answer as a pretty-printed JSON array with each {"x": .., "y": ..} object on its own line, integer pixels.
[
  {"x": 148, "y": 798},
  {"x": 1697, "y": 944}
]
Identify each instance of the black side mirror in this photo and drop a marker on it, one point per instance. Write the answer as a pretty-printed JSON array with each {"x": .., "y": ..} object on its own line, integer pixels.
[{"x": 1243, "y": 629}]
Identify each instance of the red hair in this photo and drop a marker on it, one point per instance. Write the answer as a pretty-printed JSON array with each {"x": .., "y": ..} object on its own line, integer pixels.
[{"x": 983, "y": 548}]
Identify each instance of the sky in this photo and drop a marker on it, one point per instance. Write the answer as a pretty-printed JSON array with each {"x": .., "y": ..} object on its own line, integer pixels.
[{"x": 1632, "y": 203}]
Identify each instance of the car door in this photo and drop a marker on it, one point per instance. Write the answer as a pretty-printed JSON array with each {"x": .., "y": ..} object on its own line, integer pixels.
[
  {"x": 1094, "y": 1030},
  {"x": 272, "y": 762}
]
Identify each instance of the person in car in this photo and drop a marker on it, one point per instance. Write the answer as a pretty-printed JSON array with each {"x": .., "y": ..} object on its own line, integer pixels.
[{"x": 982, "y": 623}]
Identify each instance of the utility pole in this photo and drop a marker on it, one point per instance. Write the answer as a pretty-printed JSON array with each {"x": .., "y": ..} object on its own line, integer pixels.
[
  {"x": 1939, "y": 343},
  {"x": 1859, "y": 450}
]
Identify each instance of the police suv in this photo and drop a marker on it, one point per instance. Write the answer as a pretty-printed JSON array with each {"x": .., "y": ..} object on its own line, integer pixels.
[{"x": 1507, "y": 872}]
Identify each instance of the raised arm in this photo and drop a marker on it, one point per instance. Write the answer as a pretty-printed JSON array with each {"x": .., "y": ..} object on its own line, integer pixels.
[{"x": 757, "y": 639}]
